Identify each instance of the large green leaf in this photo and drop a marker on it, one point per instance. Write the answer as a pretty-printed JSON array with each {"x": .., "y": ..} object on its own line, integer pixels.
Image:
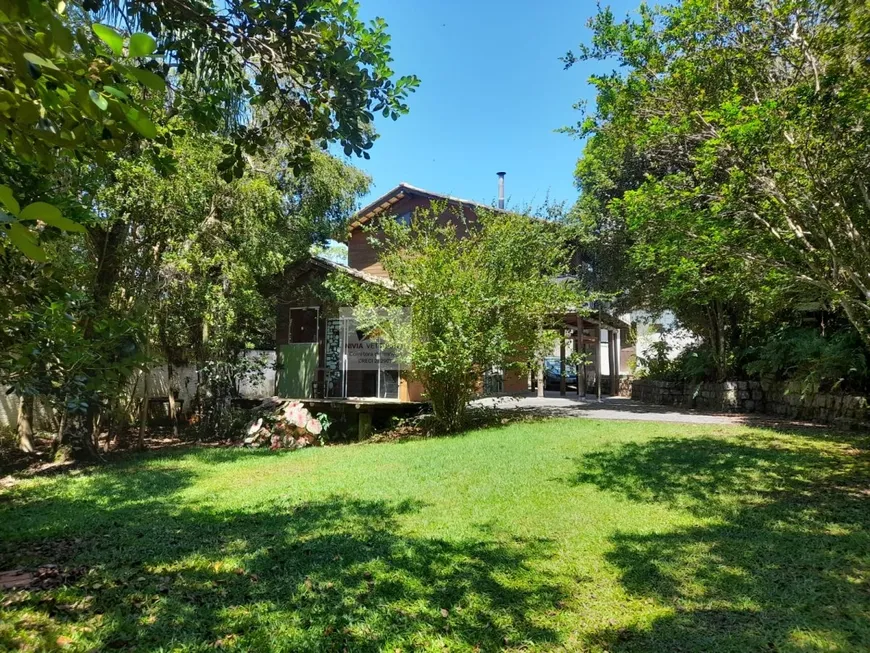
[
  {"x": 118, "y": 93},
  {"x": 98, "y": 99},
  {"x": 39, "y": 211},
  {"x": 39, "y": 61},
  {"x": 110, "y": 37},
  {"x": 61, "y": 35},
  {"x": 8, "y": 200},
  {"x": 142, "y": 123},
  {"x": 25, "y": 241},
  {"x": 141, "y": 45},
  {"x": 50, "y": 215},
  {"x": 65, "y": 224},
  {"x": 149, "y": 79}
]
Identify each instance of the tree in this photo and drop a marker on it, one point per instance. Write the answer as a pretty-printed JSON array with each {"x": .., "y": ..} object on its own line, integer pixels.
[
  {"x": 174, "y": 268},
  {"x": 111, "y": 95},
  {"x": 729, "y": 159},
  {"x": 218, "y": 256},
  {"x": 95, "y": 77},
  {"x": 467, "y": 297},
  {"x": 30, "y": 340},
  {"x": 42, "y": 351}
]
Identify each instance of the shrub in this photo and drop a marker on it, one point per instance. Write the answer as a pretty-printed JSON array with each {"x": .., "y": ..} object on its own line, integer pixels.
[
  {"x": 694, "y": 363},
  {"x": 8, "y": 438},
  {"x": 817, "y": 361},
  {"x": 657, "y": 364},
  {"x": 479, "y": 295}
]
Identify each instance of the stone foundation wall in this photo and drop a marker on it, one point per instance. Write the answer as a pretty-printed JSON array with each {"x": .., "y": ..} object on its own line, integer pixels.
[
  {"x": 624, "y": 387},
  {"x": 755, "y": 397}
]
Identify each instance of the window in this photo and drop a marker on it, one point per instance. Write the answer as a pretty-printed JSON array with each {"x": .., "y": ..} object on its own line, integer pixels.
[
  {"x": 404, "y": 218},
  {"x": 303, "y": 325},
  {"x": 370, "y": 369}
]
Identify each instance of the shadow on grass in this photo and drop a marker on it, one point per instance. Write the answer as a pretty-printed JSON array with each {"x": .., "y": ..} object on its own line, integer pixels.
[
  {"x": 781, "y": 560},
  {"x": 333, "y": 574}
]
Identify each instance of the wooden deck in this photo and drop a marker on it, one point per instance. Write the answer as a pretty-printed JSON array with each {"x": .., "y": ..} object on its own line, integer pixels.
[
  {"x": 356, "y": 401},
  {"x": 357, "y": 416}
]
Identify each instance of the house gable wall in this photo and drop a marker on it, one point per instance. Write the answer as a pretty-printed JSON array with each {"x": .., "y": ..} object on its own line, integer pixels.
[
  {"x": 301, "y": 291},
  {"x": 361, "y": 255}
]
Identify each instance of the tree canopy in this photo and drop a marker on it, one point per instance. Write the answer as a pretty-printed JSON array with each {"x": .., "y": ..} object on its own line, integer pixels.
[
  {"x": 92, "y": 78},
  {"x": 170, "y": 268},
  {"x": 182, "y": 148},
  {"x": 725, "y": 170}
]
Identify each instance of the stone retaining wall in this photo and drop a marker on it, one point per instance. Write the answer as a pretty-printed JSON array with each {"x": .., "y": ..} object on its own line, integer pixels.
[
  {"x": 624, "y": 386},
  {"x": 755, "y": 397}
]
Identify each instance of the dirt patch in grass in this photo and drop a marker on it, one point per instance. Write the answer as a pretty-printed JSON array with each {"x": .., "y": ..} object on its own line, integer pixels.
[{"x": 44, "y": 577}]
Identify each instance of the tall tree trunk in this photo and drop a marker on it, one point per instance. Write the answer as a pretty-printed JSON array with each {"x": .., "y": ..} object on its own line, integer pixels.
[
  {"x": 25, "y": 424},
  {"x": 109, "y": 423},
  {"x": 61, "y": 427},
  {"x": 78, "y": 436},
  {"x": 143, "y": 413},
  {"x": 856, "y": 320},
  {"x": 80, "y": 431},
  {"x": 127, "y": 416},
  {"x": 716, "y": 320}
]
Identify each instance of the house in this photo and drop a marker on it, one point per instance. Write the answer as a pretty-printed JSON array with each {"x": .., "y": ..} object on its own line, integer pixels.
[{"x": 322, "y": 355}]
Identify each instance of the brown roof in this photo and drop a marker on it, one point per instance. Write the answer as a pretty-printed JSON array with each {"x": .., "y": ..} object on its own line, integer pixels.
[
  {"x": 298, "y": 268},
  {"x": 387, "y": 200},
  {"x": 294, "y": 270}
]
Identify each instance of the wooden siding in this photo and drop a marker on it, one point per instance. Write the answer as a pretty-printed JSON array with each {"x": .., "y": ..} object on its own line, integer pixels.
[
  {"x": 516, "y": 381},
  {"x": 361, "y": 255},
  {"x": 298, "y": 293},
  {"x": 410, "y": 390}
]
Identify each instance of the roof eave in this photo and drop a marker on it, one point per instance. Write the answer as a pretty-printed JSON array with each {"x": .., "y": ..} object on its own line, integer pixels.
[{"x": 401, "y": 191}]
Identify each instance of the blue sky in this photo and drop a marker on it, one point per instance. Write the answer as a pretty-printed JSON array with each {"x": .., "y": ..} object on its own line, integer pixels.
[{"x": 492, "y": 94}]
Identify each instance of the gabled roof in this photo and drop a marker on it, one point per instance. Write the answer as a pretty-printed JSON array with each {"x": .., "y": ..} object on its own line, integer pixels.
[
  {"x": 401, "y": 191},
  {"x": 318, "y": 262}
]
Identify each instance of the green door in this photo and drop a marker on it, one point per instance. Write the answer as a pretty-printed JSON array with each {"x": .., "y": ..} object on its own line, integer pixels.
[{"x": 297, "y": 370}]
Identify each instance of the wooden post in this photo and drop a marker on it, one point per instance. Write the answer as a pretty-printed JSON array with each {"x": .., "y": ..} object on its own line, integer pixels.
[
  {"x": 173, "y": 408},
  {"x": 598, "y": 357},
  {"x": 581, "y": 350},
  {"x": 613, "y": 363},
  {"x": 562, "y": 382},
  {"x": 25, "y": 423},
  {"x": 364, "y": 423},
  {"x": 61, "y": 428}
]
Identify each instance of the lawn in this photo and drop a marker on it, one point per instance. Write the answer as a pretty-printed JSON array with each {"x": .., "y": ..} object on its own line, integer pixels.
[{"x": 579, "y": 535}]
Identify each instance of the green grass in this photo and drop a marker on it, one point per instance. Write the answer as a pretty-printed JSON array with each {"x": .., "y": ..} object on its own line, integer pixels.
[{"x": 559, "y": 535}]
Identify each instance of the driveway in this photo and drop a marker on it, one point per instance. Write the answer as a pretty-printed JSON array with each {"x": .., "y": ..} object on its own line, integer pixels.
[{"x": 554, "y": 405}]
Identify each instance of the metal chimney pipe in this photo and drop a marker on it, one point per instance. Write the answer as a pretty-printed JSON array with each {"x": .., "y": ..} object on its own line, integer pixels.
[{"x": 501, "y": 189}]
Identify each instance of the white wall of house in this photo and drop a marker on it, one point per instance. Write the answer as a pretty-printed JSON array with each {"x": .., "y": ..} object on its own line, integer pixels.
[
  {"x": 652, "y": 328},
  {"x": 260, "y": 385},
  {"x": 42, "y": 415},
  {"x": 603, "y": 336}
]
